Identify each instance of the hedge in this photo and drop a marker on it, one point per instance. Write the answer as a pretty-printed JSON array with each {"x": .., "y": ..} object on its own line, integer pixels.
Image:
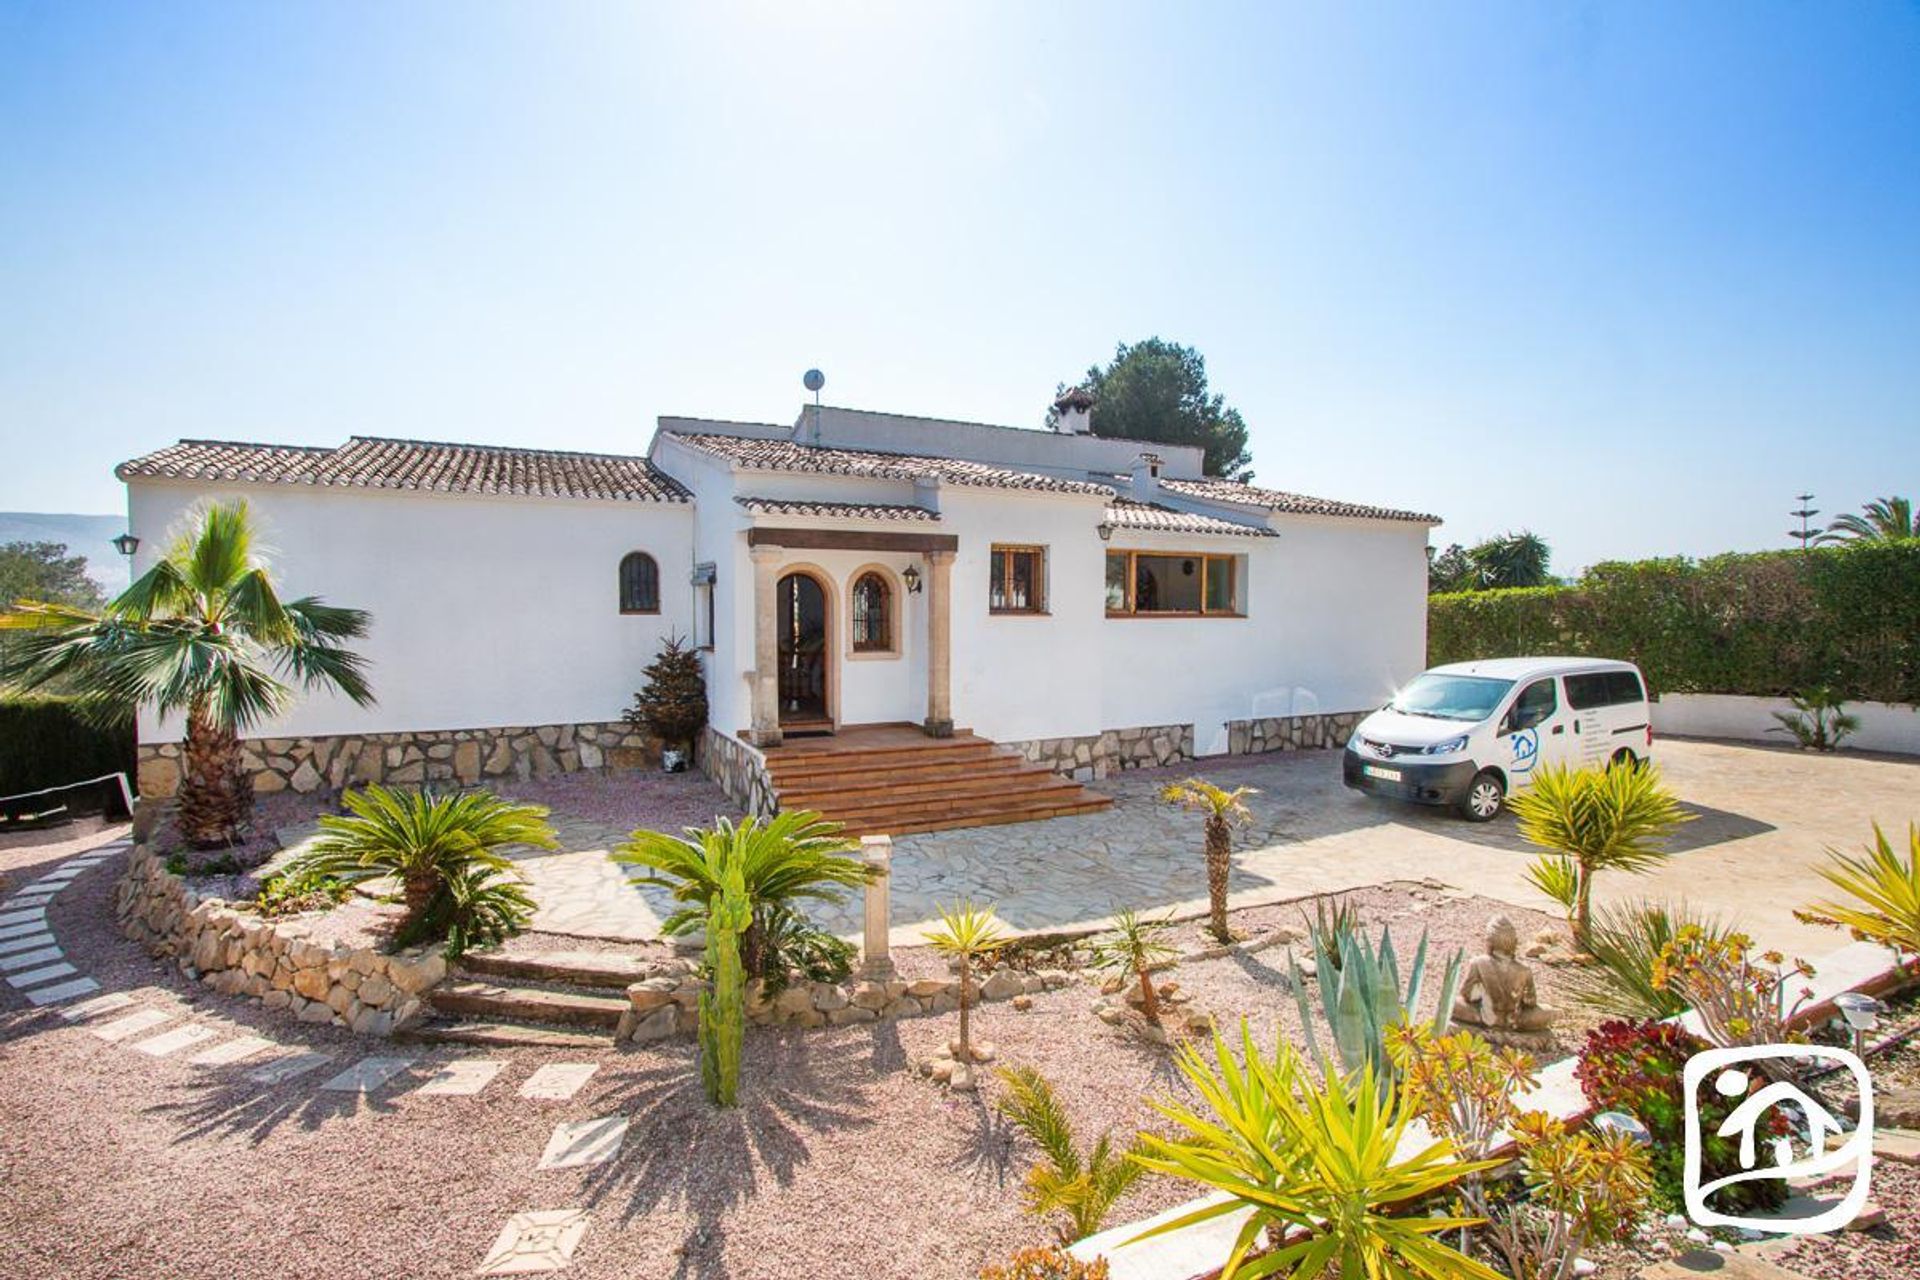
[
  {"x": 43, "y": 743},
  {"x": 1766, "y": 624}
]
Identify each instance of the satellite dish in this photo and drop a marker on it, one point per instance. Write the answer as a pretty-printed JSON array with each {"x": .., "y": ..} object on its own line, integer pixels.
[{"x": 814, "y": 380}]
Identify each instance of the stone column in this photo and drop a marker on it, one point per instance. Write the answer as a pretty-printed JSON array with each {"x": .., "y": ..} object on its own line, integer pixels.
[
  {"x": 876, "y": 963},
  {"x": 766, "y": 646},
  {"x": 939, "y": 644}
]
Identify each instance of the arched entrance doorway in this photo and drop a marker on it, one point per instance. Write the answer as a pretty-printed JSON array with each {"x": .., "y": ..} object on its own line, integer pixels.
[{"x": 804, "y": 653}]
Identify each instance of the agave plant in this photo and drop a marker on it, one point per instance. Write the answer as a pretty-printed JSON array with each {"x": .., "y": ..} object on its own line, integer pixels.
[
  {"x": 782, "y": 859},
  {"x": 1080, "y": 1188},
  {"x": 1331, "y": 920},
  {"x": 1316, "y": 1167},
  {"x": 1133, "y": 949},
  {"x": 1885, "y": 893},
  {"x": 1361, "y": 999}
]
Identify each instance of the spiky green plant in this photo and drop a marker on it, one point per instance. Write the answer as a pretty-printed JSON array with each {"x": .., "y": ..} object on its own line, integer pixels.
[
  {"x": 476, "y": 906},
  {"x": 204, "y": 635},
  {"x": 968, "y": 934},
  {"x": 1133, "y": 948},
  {"x": 1079, "y": 1188},
  {"x": 723, "y": 1005},
  {"x": 783, "y": 859},
  {"x": 427, "y": 842},
  {"x": 1315, "y": 1166},
  {"x": 1626, "y": 940},
  {"x": 1819, "y": 720},
  {"x": 1332, "y": 919},
  {"x": 1603, "y": 819},
  {"x": 1361, "y": 997},
  {"x": 1885, "y": 893},
  {"x": 1222, "y": 809},
  {"x": 1557, "y": 876}
]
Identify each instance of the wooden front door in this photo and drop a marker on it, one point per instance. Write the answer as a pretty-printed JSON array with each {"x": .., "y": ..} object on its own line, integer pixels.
[{"x": 803, "y": 652}]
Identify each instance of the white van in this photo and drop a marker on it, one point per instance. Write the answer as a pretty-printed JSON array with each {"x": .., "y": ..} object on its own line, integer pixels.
[{"x": 1467, "y": 733}]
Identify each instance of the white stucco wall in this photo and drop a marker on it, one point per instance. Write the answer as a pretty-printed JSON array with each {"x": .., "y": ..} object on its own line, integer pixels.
[
  {"x": 1884, "y": 726},
  {"x": 487, "y": 611}
]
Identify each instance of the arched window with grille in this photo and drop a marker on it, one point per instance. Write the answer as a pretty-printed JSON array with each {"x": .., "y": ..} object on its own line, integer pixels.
[
  {"x": 872, "y": 613},
  {"x": 639, "y": 583}
]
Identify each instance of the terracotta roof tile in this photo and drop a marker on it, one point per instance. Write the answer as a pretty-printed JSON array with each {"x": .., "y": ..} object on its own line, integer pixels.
[
  {"x": 847, "y": 510},
  {"x": 1292, "y": 503},
  {"x": 1151, "y": 517},
  {"x": 785, "y": 455},
  {"x": 367, "y": 462}
]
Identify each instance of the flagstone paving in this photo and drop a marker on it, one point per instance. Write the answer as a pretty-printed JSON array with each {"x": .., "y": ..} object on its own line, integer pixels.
[
  {"x": 558, "y": 1081},
  {"x": 170, "y": 1042},
  {"x": 530, "y": 1243},
  {"x": 582, "y": 1142},
  {"x": 281, "y": 1070}
]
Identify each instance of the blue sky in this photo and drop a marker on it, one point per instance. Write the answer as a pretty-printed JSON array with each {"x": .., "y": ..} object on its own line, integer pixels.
[{"x": 1631, "y": 275}]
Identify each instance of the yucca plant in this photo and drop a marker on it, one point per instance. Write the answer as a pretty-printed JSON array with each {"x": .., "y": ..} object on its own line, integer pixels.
[
  {"x": 1626, "y": 941},
  {"x": 204, "y": 635},
  {"x": 1316, "y": 1165},
  {"x": 783, "y": 859},
  {"x": 1081, "y": 1189},
  {"x": 1602, "y": 819},
  {"x": 430, "y": 843},
  {"x": 1133, "y": 948},
  {"x": 1885, "y": 893},
  {"x": 1557, "y": 876},
  {"x": 1361, "y": 999},
  {"x": 967, "y": 934},
  {"x": 1222, "y": 809}
]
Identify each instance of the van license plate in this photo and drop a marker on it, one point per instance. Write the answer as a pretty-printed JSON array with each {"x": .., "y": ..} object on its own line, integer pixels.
[{"x": 1385, "y": 775}]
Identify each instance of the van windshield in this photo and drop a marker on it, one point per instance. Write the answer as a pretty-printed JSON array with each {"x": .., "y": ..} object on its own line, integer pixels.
[{"x": 1470, "y": 698}]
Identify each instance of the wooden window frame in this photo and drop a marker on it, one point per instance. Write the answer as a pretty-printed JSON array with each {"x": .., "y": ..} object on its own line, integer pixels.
[
  {"x": 890, "y": 613},
  {"x": 1206, "y": 558},
  {"x": 622, "y": 583},
  {"x": 1005, "y": 571}
]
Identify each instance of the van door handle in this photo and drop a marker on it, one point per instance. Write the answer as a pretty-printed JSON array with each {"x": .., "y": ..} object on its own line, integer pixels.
[{"x": 1560, "y": 728}]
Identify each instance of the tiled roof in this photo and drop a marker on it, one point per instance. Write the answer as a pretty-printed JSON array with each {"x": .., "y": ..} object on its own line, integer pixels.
[
  {"x": 848, "y": 510},
  {"x": 1292, "y": 503},
  {"x": 1125, "y": 513},
  {"x": 785, "y": 455},
  {"x": 367, "y": 462}
]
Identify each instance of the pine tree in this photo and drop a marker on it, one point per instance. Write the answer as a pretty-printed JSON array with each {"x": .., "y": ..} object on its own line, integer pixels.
[{"x": 673, "y": 704}]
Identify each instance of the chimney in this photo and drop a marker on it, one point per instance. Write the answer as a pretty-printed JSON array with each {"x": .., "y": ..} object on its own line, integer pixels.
[
  {"x": 1146, "y": 477},
  {"x": 1073, "y": 413}
]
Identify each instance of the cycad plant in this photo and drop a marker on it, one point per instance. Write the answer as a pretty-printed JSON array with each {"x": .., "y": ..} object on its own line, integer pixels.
[
  {"x": 203, "y": 635},
  {"x": 1885, "y": 893},
  {"x": 1316, "y": 1167},
  {"x": 443, "y": 849},
  {"x": 967, "y": 934},
  {"x": 1080, "y": 1188},
  {"x": 783, "y": 859},
  {"x": 1602, "y": 820},
  {"x": 1132, "y": 949},
  {"x": 1223, "y": 809},
  {"x": 1361, "y": 999}
]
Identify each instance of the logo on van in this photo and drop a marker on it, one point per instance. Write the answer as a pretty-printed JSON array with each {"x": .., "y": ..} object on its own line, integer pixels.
[{"x": 1526, "y": 750}]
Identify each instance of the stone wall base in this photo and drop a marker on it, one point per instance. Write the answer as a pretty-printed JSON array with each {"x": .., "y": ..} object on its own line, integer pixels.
[
  {"x": 464, "y": 756},
  {"x": 1292, "y": 733},
  {"x": 1111, "y": 750},
  {"x": 737, "y": 769},
  {"x": 238, "y": 953}
]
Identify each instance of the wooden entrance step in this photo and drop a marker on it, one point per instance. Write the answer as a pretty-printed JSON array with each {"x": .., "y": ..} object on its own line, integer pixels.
[
  {"x": 596, "y": 969},
  {"x": 497, "y": 1002}
]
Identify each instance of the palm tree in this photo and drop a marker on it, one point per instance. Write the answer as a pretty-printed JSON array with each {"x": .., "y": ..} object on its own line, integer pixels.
[
  {"x": 967, "y": 934},
  {"x": 1602, "y": 819},
  {"x": 782, "y": 859},
  {"x": 203, "y": 634},
  {"x": 1134, "y": 948},
  {"x": 1082, "y": 1188},
  {"x": 434, "y": 845},
  {"x": 1512, "y": 560},
  {"x": 1882, "y": 520},
  {"x": 1223, "y": 808}
]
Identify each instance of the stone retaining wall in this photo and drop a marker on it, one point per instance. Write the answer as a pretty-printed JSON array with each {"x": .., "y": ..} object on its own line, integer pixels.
[
  {"x": 1292, "y": 733},
  {"x": 1111, "y": 750},
  {"x": 239, "y": 953},
  {"x": 666, "y": 1003},
  {"x": 737, "y": 769},
  {"x": 465, "y": 756}
]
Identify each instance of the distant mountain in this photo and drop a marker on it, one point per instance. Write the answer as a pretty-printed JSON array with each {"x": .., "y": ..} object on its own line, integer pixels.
[{"x": 89, "y": 536}]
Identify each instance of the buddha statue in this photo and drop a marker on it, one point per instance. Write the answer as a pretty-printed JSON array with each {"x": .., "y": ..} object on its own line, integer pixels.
[{"x": 1497, "y": 997}]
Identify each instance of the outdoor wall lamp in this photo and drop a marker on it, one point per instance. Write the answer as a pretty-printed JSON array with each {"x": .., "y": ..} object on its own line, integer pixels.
[
  {"x": 1105, "y": 531},
  {"x": 912, "y": 578},
  {"x": 126, "y": 544}
]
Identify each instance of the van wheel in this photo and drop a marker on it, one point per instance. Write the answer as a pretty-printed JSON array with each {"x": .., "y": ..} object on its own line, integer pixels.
[
  {"x": 1624, "y": 759},
  {"x": 1486, "y": 796}
]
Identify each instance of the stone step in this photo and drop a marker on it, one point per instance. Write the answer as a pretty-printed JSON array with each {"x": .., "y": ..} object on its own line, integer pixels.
[
  {"x": 960, "y": 783},
  {"x": 504, "y": 1035},
  {"x": 610, "y": 970},
  {"x": 498, "y": 1002}
]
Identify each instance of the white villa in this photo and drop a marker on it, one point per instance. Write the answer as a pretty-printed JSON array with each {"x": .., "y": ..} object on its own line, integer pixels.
[{"x": 1094, "y": 603}]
